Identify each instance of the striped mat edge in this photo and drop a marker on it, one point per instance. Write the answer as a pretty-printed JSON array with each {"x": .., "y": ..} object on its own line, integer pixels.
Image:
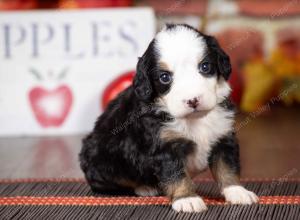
[
  {"x": 129, "y": 200},
  {"x": 102, "y": 201}
]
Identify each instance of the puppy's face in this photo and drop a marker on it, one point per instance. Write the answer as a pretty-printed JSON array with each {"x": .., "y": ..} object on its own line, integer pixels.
[{"x": 184, "y": 71}]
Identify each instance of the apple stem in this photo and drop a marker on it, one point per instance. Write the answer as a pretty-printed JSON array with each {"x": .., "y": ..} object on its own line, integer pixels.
[
  {"x": 35, "y": 73},
  {"x": 63, "y": 73}
]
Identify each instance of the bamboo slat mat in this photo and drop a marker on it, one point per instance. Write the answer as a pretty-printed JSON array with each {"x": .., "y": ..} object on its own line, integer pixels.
[{"x": 72, "y": 199}]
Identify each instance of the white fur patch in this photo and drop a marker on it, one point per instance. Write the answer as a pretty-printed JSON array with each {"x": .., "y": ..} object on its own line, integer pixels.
[
  {"x": 204, "y": 131},
  {"x": 146, "y": 191},
  {"x": 222, "y": 91},
  {"x": 180, "y": 46},
  {"x": 239, "y": 195},
  {"x": 189, "y": 204}
]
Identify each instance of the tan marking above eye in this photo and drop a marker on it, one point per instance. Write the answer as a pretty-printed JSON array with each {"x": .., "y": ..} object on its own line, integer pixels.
[{"x": 163, "y": 66}]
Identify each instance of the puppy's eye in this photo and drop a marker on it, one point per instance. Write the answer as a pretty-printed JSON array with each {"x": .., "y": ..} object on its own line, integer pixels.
[
  {"x": 206, "y": 68},
  {"x": 165, "y": 78}
]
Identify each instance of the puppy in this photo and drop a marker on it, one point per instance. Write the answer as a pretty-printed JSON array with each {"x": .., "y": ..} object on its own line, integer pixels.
[{"x": 172, "y": 123}]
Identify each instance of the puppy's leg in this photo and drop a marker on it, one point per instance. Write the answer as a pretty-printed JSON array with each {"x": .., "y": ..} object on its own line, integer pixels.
[
  {"x": 174, "y": 180},
  {"x": 225, "y": 166},
  {"x": 183, "y": 196}
]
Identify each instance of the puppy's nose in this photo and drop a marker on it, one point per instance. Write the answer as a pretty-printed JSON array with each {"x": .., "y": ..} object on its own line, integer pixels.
[{"x": 193, "y": 103}]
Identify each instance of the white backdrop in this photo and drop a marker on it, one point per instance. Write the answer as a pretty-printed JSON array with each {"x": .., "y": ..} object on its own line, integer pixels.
[{"x": 54, "y": 65}]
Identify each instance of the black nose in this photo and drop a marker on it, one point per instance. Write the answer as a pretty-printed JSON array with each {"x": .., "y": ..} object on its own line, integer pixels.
[{"x": 193, "y": 103}]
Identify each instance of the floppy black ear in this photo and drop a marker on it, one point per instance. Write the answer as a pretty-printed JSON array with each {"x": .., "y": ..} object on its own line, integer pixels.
[
  {"x": 141, "y": 83},
  {"x": 222, "y": 59}
]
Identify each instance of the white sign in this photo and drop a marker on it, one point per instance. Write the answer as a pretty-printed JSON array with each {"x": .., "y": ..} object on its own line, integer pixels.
[{"x": 54, "y": 65}]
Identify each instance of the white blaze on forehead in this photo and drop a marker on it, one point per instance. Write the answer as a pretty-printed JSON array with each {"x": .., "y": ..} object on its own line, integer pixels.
[
  {"x": 180, "y": 46},
  {"x": 181, "y": 49}
]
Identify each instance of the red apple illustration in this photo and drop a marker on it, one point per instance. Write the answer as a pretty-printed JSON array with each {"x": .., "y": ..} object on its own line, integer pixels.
[
  {"x": 51, "y": 107},
  {"x": 116, "y": 86}
]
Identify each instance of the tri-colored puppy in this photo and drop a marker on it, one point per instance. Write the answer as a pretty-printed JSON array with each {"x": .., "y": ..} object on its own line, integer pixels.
[{"x": 172, "y": 123}]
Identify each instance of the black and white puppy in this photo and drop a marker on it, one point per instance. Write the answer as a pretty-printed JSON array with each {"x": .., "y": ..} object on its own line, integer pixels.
[{"x": 172, "y": 123}]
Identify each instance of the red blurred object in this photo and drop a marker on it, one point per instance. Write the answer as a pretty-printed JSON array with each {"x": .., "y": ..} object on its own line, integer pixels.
[
  {"x": 103, "y": 3},
  {"x": 177, "y": 7},
  {"x": 270, "y": 8},
  {"x": 67, "y": 4},
  {"x": 116, "y": 86},
  {"x": 236, "y": 83},
  {"x": 241, "y": 45},
  {"x": 94, "y": 3},
  {"x": 17, "y": 4},
  {"x": 47, "y": 4}
]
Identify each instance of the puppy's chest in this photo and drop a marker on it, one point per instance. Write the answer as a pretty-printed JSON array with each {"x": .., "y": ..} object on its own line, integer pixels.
[{"x": 205, "y": 132}]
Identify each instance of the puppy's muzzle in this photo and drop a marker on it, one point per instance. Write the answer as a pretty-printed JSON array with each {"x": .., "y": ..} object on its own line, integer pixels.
[{"x": 194, "y": 102}]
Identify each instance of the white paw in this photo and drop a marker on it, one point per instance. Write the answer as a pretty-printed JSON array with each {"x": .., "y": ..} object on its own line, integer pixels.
[
  {"x": 146, "y": 191},
  {"x": 189, "y": 204},
  {"x": 239, "y": 195}
]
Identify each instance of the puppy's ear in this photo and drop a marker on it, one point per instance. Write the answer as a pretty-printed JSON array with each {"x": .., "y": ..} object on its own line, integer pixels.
[
  {"x": 170, "y": 26},
  {"x": 141, "y": 83},
  {"x": 223, "y": 60}
]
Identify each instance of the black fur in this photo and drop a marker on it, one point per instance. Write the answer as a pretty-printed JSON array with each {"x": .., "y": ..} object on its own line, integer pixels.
[
  {"x": 145, "y": 67},
  {"x": 134, "y": 151},
  {"x": 125, "y": 143},
  {"x": 220, "y": 58},
  {"x": 227, "y": 150}
]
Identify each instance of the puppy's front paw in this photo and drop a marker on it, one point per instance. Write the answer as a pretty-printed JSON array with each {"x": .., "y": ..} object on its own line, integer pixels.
[
  {"x": 239, "y": 195},
  {"x": 189, "y": 204}
]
